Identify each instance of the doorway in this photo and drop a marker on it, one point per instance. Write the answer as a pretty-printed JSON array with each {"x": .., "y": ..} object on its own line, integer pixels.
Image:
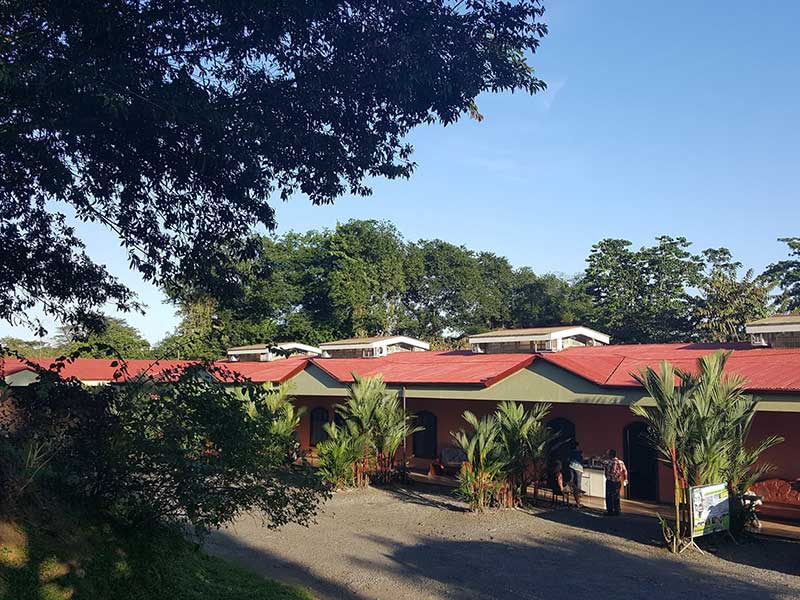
[
  {"x": 642, "y": 461},
  {"x": 560, "y": 447}
]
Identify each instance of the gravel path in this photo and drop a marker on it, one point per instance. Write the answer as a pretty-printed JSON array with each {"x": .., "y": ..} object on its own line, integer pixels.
[{"x": 418, "y": 542}]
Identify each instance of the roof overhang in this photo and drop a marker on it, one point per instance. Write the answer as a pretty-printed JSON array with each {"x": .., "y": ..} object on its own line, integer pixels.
[
  {"x": 284, "y": 346},
  {"x": 389, "y": 341},
  {"x": 773, "y": 328},
  {"x": 541, "y": 337}
]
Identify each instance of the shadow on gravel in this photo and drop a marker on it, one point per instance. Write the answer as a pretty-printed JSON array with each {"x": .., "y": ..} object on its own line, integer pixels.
[
  {"x": 266, "y": 564},
  {"x": 427, "y": 495},
  {"x": 567, "y": 567},
  {"x": 771, "y": 553},
  {"x": 636, "y": 528}
]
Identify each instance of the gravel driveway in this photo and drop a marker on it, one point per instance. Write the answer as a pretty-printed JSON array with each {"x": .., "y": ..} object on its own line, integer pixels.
[{"x": 418, "y": 542}]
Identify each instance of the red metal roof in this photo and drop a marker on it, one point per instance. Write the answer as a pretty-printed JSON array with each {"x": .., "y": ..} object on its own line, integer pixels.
[
  {"x": 428, "y": 367},
  {"x": 276, "y": 371},
  {"x": 96, "y": 369},
  {"x": 765, "y": 369}
]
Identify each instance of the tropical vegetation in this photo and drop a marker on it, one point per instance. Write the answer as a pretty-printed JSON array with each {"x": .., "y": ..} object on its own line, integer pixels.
[
  {"x": 504, "y": 452},
  {"x": 700, "y": 425},
  {"x": 373, "y": 427},
  {"x": 182, "y": 450},
  {"x": 178, "y": 124}
]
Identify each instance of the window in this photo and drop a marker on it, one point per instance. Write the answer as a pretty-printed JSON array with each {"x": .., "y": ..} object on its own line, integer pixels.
[
  {"x": 424, "y": 442},
  {"x": 319, "y": 416},
  {"x": 339, "y": 420}
]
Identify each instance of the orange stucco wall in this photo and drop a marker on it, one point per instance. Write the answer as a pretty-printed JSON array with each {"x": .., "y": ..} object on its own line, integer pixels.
[{"x": 597, "y": 427}]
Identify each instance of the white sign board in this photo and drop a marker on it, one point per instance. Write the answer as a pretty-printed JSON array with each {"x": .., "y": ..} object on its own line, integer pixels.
[{"x": 709, "y": 509}]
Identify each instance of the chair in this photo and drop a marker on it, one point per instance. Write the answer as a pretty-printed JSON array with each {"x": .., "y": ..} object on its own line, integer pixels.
[
  {"x": 557, "y": 490},
  {"x": 449, "y": 461}
]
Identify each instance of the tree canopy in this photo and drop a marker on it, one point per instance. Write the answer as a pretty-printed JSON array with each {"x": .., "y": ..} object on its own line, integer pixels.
[
  {"x": 642, "y": 295},
  {"x": 365, "y": 278},
  {"x": 175, "y": 123},
  {"x": 786, "y": 275}
]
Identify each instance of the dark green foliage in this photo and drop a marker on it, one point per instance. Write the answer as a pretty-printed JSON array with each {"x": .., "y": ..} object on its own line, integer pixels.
[
  {"x": 642, "y": 296},
  {"x": 183, "y": 451},
  {"x": 786, "y": 275},
  {"x": 115, "y": 339},
  {"x": 548, "y": 300},
  {"x": 726, "y": 302},
  {"x": 110, "y": 338},
  {"x": 175, "y": 123},
  {"x": 363, "y": 278}
]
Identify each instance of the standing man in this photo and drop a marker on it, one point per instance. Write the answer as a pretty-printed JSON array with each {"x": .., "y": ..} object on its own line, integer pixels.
[{"x": 616, "y": 478}]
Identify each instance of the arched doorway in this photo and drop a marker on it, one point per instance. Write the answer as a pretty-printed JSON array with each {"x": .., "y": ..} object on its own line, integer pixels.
[
  {"x": 561, "y": 446},
  {"x": 642, "y": 461},
  {"x": 318, "y": 417},
  {"x": 424, "y": 442}
]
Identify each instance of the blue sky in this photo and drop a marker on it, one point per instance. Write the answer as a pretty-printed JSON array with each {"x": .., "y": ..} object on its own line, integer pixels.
[{"x": 678, "y": 118}]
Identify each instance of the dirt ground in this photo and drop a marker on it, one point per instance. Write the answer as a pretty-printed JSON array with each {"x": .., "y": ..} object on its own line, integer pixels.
[{"x": 419, "y": 542}]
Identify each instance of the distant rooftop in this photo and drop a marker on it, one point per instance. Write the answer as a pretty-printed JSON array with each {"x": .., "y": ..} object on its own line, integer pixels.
[
  {"x": 523, "y": 332},
  {"x": 371, "y": 342},
  {"x": 792, "y": 319},
  {"x": 553, "y": 338}
]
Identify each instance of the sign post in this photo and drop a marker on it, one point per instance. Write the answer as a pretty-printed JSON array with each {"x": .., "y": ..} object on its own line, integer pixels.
[{"x": 709, "y": 511}]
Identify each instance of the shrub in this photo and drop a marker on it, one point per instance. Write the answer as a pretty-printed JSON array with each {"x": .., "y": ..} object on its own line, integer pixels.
[{"x": 180, "y": 450}]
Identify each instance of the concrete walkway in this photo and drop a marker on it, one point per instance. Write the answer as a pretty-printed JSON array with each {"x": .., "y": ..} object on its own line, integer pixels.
[{"x": 771, "y": 527}]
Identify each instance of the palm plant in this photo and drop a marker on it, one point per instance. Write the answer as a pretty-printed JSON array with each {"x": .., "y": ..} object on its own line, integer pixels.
[
  {"x": 524, "y": 439},
  {"x": 374, "y": 414},
  {"x": 480, "y": 480},
  {"x": 700, "y": 424},
  {"x": 668, "y": 422},
  {"x": 279, "y": 402},
  {"x": 337, "y": 456}
]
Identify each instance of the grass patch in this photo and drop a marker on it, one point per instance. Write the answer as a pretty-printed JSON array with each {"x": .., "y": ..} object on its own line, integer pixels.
[{"x": 70, "y": 557}]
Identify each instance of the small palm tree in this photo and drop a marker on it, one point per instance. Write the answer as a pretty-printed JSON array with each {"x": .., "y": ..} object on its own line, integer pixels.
[
  {"x": 481, "y": 476},
  {"x": 524, "y": 439},
  {"x": 700, "y": 424},
  {"x": 374, "y": 414},
  {"x": 338, "y": 456},
  {"x": 668, "y": 421}
]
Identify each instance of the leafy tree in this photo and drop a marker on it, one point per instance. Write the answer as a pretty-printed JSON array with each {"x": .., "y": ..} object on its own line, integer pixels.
[
  {"x": 28, "y": 348},
  {"x": 116, "y": 339},
  {"x": 365, "y": 277},
  {"x": 180, "y": 450},
  {"x": 641, "y": 296},
  {"x": 207, "y": 329},
  {"x": 786, "y": 274},
  {"x": 174, "y": 122},
  {"x": 443, "y": 283},
  {"x": 727, "y": 303},
  {"x": 492, "y": 309},
  {"x": 548, "y": 299}
]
